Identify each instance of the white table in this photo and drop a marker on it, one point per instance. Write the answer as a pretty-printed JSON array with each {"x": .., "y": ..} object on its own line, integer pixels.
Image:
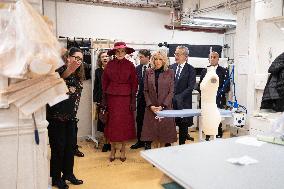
[{"x": 204, "y": 166}]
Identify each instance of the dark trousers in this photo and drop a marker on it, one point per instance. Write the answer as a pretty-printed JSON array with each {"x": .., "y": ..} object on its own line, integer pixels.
[
  {"x": 183, "y": 130},
  {"x": 62, "y": 138},
  {"x": 76, "y": 135},
  {"x": 141, "y": 104}
]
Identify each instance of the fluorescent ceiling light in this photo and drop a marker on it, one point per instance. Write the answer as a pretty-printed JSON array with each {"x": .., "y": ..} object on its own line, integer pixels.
[{"x": 215, "y": 20}]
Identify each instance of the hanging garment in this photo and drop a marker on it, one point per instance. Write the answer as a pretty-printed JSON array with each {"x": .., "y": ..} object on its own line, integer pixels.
[{"x": 273, "y": 95}]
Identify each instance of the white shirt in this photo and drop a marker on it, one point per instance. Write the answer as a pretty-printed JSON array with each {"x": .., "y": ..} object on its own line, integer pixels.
[
  {"x": 146, "y": 65},
  {"x": 181, "y": 65}
]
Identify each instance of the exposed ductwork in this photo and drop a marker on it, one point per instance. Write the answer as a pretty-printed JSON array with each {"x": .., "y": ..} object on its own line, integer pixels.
[
  {"x": 132, "y": 3},
  {"x": 194, "y": 17}
]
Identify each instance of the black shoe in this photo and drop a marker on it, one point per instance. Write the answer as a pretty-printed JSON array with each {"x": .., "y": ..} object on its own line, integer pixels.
[
  {"x": 138, "y": 144},
  {"x": 106, "y": 147},
  {"x": 188, "y": 137},
  {"x": 220, "y": 132},
  {"x": 181, "y": 142},
  {"x": 167, "y": 144},
  {"x": 78, "y": 153},
  {"x": 72, "y": 179},
  {"x": 219, "y": 136},
  {"x": 59, "y": 183},
  {"x": 207, "y": 137},
  {"x": 147, "y": 145}
]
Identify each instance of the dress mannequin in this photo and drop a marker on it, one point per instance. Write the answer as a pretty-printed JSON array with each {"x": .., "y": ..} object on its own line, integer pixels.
[{"x": 210, "y": 115}]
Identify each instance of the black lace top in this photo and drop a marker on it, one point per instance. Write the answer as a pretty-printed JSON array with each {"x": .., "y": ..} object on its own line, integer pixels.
[{"x": 67, "y": 109}]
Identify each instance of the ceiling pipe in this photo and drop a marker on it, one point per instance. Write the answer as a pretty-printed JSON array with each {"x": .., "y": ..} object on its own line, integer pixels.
[
  {"x": 125, "y": 4},
  {"x": 196, "y": 29}
]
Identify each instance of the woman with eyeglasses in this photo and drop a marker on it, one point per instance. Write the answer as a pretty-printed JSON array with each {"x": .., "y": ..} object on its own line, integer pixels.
[{"x": 63, "y": 121}]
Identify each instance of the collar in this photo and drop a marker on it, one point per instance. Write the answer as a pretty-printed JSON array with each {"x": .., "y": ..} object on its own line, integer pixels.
[
  {"x": 147, "y": 65},
  {"x": 182, "y": 65}
]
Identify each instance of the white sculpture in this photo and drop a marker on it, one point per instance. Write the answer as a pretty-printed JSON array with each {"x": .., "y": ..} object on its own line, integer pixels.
[{"x": 210, "y": 116}]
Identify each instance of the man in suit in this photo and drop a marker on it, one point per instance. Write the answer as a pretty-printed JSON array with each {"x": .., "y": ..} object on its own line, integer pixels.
[
  {"x": 185, "y": 79},
  {"x": 144, "y": 56},
  {"x": 222, "y": 89}
]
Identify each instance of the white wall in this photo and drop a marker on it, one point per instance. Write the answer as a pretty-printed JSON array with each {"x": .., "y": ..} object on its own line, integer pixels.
[
  {"x": 270, "y": 44},
  {"x": 131, "y": 25}
]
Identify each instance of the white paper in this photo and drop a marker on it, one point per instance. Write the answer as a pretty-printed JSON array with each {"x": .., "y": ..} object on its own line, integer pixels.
[
  {"x": 244, "y": 160},
  {"x": 251, "y": 141}
]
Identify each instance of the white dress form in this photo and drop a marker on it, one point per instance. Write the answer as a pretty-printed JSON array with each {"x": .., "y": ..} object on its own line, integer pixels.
[{"x": 210, "y": 116}]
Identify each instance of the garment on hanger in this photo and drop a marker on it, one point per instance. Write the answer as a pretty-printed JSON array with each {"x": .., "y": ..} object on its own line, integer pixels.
[{"x": 273, "y": 95}]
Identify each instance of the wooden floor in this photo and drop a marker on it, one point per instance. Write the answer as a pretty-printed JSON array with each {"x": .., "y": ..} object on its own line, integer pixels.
[{"x": 135, "y": 173}]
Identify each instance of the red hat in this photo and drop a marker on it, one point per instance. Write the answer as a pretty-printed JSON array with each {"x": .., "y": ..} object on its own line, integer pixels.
[{"x": 120, "y": 45}]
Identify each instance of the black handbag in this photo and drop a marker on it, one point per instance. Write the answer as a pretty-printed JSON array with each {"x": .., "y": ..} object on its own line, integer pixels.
[{"x": 103, "y": 115}]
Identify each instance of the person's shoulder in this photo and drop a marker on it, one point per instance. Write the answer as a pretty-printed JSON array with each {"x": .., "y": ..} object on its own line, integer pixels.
[
  {"x": 173, "y": 65},
  {"x": 188, "y": 65},
  {"x": 222, "y": 69},
  {"x": 150, "y": 71},
  {"x": 128, "y": 62},
  {"x": 112, "y": 61},
  {"x": 169, "y": 71},
  {"x": 138, "y": 67},
  {"x": 99, "y": 69},
  {"x": 61, "y": 69},
  {"x": 204, "y": 70}
]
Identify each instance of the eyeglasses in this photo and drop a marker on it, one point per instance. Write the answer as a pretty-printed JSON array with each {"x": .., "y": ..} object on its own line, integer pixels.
[
  {"x": 178, "y": 54},
  {"x": 78, "y": 58}
]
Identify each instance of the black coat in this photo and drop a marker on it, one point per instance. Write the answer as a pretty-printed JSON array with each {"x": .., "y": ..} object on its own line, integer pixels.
[
  {"x": 273, "y": 95},
  {"x": 140, "y": 99},
  {"x": 223, "y": 77},
  {"x": 183, "y": 89},
  {"x": 97, "y": 91},
  {"x": 140, "y": 92}
]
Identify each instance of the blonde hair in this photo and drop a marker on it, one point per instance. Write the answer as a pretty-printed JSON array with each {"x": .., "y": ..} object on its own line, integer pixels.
[{"x": 164, "y": 58}]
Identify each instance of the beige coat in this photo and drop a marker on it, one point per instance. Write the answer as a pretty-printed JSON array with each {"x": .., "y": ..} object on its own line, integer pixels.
[{"x": 154, "y": 130}]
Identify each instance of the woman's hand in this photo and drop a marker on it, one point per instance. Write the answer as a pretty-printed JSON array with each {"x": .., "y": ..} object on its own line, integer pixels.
[
  {"x": 155, "y": 108},
  {"x": 160, "y": 108},
  {"x": 73, "y": 65}
]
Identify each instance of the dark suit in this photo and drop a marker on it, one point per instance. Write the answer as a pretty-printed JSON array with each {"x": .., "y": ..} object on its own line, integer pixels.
[
  {"x": 141, "y": 104},
  {"x": 223, "y": 76},
  {"x": 183, "y": 97}
]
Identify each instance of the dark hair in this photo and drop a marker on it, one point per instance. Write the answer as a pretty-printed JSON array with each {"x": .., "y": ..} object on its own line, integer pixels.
[
  {"x": 64, "y": 56},
  {"x": 80, "y": 72},
  {"x": 145, "y": 52},
  {"x": 99, "y": 62}
]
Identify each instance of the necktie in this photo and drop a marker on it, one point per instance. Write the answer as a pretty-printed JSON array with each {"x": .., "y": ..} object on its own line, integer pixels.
[
  {"x": 178, "y": 72},
  {"x": 144, "y": 71}
]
